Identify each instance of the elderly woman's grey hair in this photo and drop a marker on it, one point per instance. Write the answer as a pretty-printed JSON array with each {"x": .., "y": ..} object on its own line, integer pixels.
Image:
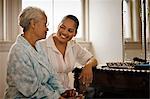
[{"x": 28, "y": 14}]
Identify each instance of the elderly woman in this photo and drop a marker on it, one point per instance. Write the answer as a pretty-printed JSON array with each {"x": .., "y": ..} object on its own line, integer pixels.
[{"x": 29, "y": 73}]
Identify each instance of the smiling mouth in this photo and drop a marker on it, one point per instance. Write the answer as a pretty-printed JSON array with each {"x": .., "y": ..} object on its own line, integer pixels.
[{"x": 62, "y": 36}]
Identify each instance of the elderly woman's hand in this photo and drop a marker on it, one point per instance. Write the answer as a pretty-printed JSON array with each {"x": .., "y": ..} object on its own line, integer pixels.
[{"x": 86, "y": 76}]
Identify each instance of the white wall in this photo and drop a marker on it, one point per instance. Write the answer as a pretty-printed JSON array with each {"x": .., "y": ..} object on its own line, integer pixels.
[
  {"x": 105, "y": 28},
  {"x": 3, "y": 59}
]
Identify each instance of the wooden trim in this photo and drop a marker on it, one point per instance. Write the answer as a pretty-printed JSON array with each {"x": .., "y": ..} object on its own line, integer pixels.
[
  {"x": 5, "y": 46},
  {"x": 133, "y": 45}
]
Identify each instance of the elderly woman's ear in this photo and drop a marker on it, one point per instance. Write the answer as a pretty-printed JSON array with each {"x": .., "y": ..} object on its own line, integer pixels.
[{"x": 32, "y": 23}]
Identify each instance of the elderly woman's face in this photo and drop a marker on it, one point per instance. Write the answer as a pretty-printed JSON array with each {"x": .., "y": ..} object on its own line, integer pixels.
[
  {"x": 66, "y": 30},
  {"x": 41, "y": 28}
]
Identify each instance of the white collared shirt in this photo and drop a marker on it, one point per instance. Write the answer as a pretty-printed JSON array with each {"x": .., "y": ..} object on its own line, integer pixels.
[{"x": 74, "y": 54}]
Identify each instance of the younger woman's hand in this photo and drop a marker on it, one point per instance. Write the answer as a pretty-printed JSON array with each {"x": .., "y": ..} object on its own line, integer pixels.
[
  {"x": 69, "y": 93},
  {"x": 86, "y": 76}
]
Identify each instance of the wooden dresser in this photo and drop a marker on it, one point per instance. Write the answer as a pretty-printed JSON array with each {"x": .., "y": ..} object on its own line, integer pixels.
[{"x": 129, "y": 83}]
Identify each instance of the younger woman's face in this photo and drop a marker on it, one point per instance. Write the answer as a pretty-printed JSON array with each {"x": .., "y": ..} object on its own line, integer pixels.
[{"x": 66, "y": 30}]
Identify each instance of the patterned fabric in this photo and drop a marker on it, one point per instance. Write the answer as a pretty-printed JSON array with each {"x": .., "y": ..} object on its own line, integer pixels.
[
  {"x": 74, "y": 53},
  {"x": 28, "y": 75}
]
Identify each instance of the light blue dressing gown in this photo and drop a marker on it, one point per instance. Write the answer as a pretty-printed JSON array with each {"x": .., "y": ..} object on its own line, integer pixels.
[{"x": 28, "y": 75}]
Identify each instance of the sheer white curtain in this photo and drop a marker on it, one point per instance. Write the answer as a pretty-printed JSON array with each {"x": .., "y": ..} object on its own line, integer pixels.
[{"x": 9, "y": 11}]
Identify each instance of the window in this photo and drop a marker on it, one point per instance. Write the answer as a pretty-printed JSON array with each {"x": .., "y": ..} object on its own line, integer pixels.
[
  {"x": 1, "y": 21},
  {"x": 56, "y": 10},
  {"x": 134, "y": 16},
  {"x": 136, "y": 23},
  {"x": 9, "y": 10},
  {"x": 9, "y": 29}
]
